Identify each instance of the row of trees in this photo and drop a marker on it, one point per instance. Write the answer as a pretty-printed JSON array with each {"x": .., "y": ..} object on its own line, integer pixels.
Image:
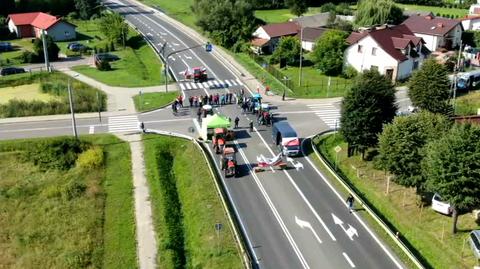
[
  {"x": 425, "y": 150},
  {"x": 84, "y": 8}
]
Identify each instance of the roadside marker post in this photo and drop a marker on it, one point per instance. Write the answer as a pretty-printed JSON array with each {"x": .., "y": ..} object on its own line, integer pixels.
[{"x": 218, "y": 227}]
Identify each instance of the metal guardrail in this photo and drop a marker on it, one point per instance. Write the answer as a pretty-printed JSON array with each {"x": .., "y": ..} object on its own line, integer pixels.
[
  {"x": 377, "y": 218},
  {"x": 222, "y": 192}
]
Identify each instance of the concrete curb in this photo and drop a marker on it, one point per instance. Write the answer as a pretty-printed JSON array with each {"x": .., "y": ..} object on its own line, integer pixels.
[
  {"x": 379, "y": 221},
  {"x": 221, "y": 191}
]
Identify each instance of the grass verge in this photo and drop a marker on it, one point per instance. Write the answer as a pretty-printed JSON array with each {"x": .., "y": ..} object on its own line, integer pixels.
[
  {"x": 76, "y": 218},
  {"x": 427, "y": 232},
  {"x": 281, "y": 15},
  {"x": 27, "y": 92},
  {"x": 179, "y": 10},
  {"x": 177, "y": 161},
  {"x": 468, "y": 104},
  {"x": 153, "y": 100},
  {"x": 437, "y": 11}
]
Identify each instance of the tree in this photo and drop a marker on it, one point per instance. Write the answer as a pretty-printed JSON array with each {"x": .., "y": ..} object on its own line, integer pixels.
[
  {"x": 8, "y": 7},
  {"x": 429, "y": 87},
  {"x": 368, "y": 105},
  {"x": 374, "y": 12},
  {"x": 86, "y": 8},
  {"x": 297, "y": 7},
  {"x": 52, "y": 48},
  {"x": 452, "y": 168},
  {"x": 328, "y": 52},
  {"x": 113, "y": 26},
  {"x": 288, "y": 50},
  {"x": 401, "y": 145}
]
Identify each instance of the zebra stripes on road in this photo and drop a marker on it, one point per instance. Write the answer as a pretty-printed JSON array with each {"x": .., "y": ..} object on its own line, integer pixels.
[
  {"x": 328, "y": 113},
  {"x": 209, "y": 84},
  {"x": 121, "y": 124}
]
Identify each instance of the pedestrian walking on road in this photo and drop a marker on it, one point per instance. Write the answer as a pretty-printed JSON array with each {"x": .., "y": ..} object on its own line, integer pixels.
[
  {"x": 199, "y": 114},
  {"x": 236, "y": 122},
  {"x": 210, "y": 99},
  {"x": 350, "y": 201},
  {"x": 195, "y": 101},
  {"x": 190, "y": 101},
  {"x": 142, "y": 127},
  {"x": 251, "y": 125}
]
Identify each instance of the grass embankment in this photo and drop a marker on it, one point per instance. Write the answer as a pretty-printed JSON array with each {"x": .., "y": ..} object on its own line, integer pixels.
[
  {"x": 48, "y": 98},
  {"x": 186, "y": 207},
  {"x": 179, "y": 10},
  {"x": 12, "y": 58},
  {"x": 138, "y": 66},
  {"x": 468, "y": 104},
  {"x": 63, "y": 212},
  {"x": 281, "y": 15},
  {"x": 437, "y": 11},
  {"x": 153, "y": 100},
  {"x": 428, "y": 232}
]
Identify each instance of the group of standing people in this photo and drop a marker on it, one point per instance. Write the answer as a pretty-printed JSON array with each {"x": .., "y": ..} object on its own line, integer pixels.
[
  {"x": 212, "y": 99},
  {"x": 178, "y": 103}
]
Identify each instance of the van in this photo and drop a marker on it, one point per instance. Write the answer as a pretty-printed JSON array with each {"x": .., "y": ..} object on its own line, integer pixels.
[
  {"x": 474, "y": 239},
  {"x": 285, "y": 137},
  {"x": 440, "y": 206}
]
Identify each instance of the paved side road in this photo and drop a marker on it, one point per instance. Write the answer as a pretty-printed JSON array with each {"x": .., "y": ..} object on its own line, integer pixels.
[{"x": 146, "y": 243}]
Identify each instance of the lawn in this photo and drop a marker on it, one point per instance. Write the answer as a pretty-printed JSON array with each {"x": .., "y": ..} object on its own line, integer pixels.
[
  {"x": 42, "y": 93},
  {"x": 468, "y": 104},
  {"x": 10, "y": 58},
  {"x": 26, "y": 92},
  {"x": 186, "y": 207},
  {"x": 281, "y": 15},
  {"x": 81, "y": 217},
  {"x": 429, "y": 234},
  {"x": 179, "y": 9},
  {"x": 88, "y": 34},
  {"x": 441, "y": 11},
  {"x": 153, "y": 100}
]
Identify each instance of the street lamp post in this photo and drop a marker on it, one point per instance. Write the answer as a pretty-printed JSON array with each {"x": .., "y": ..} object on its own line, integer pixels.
[
  {"x": 72, "y": 109},
  {"x": 301, "y": 56},
  {"x": 285, "y": 78},
  {"x": 45, "y": 51}
]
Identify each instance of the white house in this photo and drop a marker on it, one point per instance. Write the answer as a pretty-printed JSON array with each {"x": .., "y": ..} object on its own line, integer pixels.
[
  {"x": 309, "y": 36},
  {"x": 33, "y": 23},
  {"x": 471, "y": 22},
  {"x": 266, "y": 37},
  {"x": 393, "y": 51},
  {"x": 437, "y": 32},
  {"x": 474, "y": 9}
]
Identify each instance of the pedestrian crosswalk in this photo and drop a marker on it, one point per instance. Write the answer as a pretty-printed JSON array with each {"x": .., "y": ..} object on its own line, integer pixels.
[
  {"x": 329, "y": 114},
  {"x": 190, "y": 85},
  {"x": 121, "y": 124}
]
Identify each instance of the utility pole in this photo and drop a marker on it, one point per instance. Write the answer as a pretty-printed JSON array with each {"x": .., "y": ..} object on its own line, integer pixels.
[
  {"x": 45, "y": 51},
  {"x": 99, "y": 107},
  {"x": 72, "y": 109},
  {"x": 301, "y": 58},
  {"x": 455, "y": 77}
]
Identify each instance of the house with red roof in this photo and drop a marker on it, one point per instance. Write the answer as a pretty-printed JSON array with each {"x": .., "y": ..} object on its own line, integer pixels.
[
  {"x": 33, "y": 23},
  {"x": 437, "y": 32},
  {"x": 266, "y": 37},
  {"x": 471, "y": 22},
  {"x": 393, "y": 50}
]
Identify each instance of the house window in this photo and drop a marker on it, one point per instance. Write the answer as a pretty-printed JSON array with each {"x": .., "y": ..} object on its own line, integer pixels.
[
  {"x": 67, "y": 33},
  {"x": 360, "y": 49},
  {"x": 374, "y": 51}
]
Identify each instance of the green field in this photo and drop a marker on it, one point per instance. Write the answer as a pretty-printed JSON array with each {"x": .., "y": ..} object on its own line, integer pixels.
[
  {"x": 81, "y": 217},
  {"x": 468, "y": 104},
  {"x": 153, "y": 100},
  {"x": 10, "y": 58},
  {"x": 178, "y": 176},
  {"x": 179, "y": 9},
  {"x": 429, "y": 235},
  {"x": 88, "y": 34},
  {"x": 26, "y": 92},
  {"x": 281, "y": 15},
  {"x": 457, "y": 12}
]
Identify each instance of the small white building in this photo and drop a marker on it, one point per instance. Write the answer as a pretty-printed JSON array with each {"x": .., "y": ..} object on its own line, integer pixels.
[
  {"x": 266, "y": 37},
  {"x": 437, "y": 32},
  {"x": 394, "y": 51},
  {"x": 309, "y": 36},
  {"x": 474, "y": 9},
  {"x": 471, "y": 22},
  {"x": 33, "y": 23}
]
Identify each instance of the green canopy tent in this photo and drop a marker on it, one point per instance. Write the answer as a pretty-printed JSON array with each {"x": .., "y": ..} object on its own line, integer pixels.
[{"x": 212, "y": 122}]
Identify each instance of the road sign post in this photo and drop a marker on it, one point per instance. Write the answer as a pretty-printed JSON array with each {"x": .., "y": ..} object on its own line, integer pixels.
[
  {"x": 337, "y": 150},
  {"x": 218, "y": 227},
  {"x": 99, "y": 107},
  {"x": 72, "y": 109},
  {"x": 141, "y": 100}
]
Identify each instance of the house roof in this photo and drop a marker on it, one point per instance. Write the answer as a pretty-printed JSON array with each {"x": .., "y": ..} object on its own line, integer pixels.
[
  {"x": 391, "y": 39},
  {"x": 39, "y": 20},
  {"x": 317, "y": 20},
  {"x": 311, "y": 34},
  {"x": 281, "y": 29},
  {"x": 258, "y": 42},
  {"x": 430, "y": 25},
  {"x": 471, "y": 17},
  {"x": 409, "y": 13}
]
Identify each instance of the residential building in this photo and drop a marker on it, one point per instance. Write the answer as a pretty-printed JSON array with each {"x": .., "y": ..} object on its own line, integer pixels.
[
  {"x": 33, "y": 23},
  {"x": 408, "y": 13},
  {"x": 474, "y": 9},
  {"x": 393, "y": 50},
  {"x": 437, "y": 32},
  {"x": 309, "y": 37},
  {"x": 314, "y": 21},
  {"x": 471, "y": 22},
  {"x": 266, "y": 37}
]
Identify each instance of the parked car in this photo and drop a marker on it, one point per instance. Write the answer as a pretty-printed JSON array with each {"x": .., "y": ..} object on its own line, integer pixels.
[
  {"x": 5, "y": 46},
  {"x": 11, "y": 70},
  {"x": 76, "y": 46},
  {"x": 440, "y": 206},
  {"x": 474, "y": 240},
  {"x": 106, "y": 57}
]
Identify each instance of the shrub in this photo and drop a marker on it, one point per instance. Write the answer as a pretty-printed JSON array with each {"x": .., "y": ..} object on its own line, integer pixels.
[
  {"x": 350, "y": 72},
  {"x": 29, "y": 57},
  {"x": 90, "y": 159},
  {"x": 112, "y": 46},
  {"x": 58, "y": 154},
  {"x": 103, "y": 65},
  {"x": 73, "y": 189}
]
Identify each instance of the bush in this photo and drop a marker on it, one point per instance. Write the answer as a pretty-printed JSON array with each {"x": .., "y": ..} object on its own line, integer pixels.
[
  {"x": 72, "y": 16},
  {"x": 58, "y": 154},
  {"x": 350, "y": 72},
  {"x": 90, "y": 159},
  {"x": 29, "y": 57},
  {"x": 103, "y": 65},
  {"x": 112, "y": 46},
  {"x": 73, "y": 189}
]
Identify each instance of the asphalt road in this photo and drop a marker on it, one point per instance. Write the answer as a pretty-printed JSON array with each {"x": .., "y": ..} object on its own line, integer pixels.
[{"x": 292, "y": 219}]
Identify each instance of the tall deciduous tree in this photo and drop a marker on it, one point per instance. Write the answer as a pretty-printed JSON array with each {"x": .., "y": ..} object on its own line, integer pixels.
[
  {"x": 373, "y": 12},
  {"x": 297, "y": 7},
  {"x": 328, "y": 52},
  {"x": 288, "y": 50},
  {"x": 452, "y": 168},
  {"x": 401, "y": 145},
  {"x": 86, "y": 8},
  {"x": 8, "y": 6},
  {"x": 113, "y": 26},
  {"x": 52, "y": 48},
  {"x": 367, "y": 106},
  {"x": 429, "y": 87}
]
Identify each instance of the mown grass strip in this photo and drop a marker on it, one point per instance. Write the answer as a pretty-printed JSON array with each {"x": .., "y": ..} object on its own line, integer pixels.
[{"x": 153, "y": 100}]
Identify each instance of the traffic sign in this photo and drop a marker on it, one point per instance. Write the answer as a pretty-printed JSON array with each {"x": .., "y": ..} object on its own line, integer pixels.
[{"x": 218, "y": 226}]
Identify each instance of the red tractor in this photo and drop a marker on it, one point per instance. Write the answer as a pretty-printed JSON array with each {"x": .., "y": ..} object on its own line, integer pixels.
[
  {"x": 200, "y": 74},
  {"x": 229, "y": 161},
  {"x": 220, "y": 138}
]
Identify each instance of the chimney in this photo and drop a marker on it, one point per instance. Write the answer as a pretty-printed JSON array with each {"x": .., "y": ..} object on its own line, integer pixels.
[
  {"x": 440, "y": 25},
  {"x": 429, "y": 17}
]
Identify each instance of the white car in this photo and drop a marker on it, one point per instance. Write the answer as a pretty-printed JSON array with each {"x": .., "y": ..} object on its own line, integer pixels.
[{"x": 440, "y": 206}]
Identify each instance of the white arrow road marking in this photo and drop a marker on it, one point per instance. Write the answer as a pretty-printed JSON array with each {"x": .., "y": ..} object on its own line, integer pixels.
[
  {"x": 348, "y": 259},
  {"x": 188, "y": 57},
  {"x": 162, "y": 33},
  {"x": 305, "y": 224},
  {"x": 149, "y": 34},
  {"x": 175, "y": 44},
  {"x": 173, "y": 58},
  {"x": 350, "y": 231},
  {"x": 91, "y": 130}
]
